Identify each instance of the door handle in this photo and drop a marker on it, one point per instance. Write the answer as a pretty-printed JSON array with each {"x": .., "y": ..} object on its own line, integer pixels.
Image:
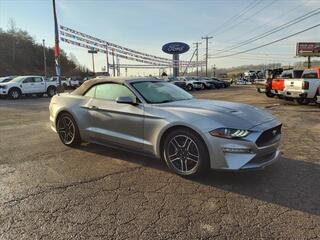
[{"x": 94, "y": 108}]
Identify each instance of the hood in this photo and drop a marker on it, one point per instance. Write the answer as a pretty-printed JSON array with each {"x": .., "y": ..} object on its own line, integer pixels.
[{"x": 229, "y": 114}]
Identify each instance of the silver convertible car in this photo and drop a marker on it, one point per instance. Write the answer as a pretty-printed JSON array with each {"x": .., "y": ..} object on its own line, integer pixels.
[{"x": 157, "y": 118}]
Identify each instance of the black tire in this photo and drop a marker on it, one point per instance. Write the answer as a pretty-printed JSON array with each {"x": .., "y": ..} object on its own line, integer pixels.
[
  {"x": 258, "y": 90},
  {"x": 189, "y": 87},
  {"x": 67, "y": 126},
  {"x": 217, "y": 86},
  {"x": 203, "y": 86},
  {"x": 51, "y": 91},
  {"x": 14, "y": 93},
  {"x": 302, "y": 101},
  {"x": 39, "y": 95},
  {"x": 186, "y": 151},
  {"x": 270, "y": 94}
]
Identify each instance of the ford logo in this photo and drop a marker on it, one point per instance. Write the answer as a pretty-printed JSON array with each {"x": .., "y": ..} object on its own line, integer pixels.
[{"x": 175, "y": 48}]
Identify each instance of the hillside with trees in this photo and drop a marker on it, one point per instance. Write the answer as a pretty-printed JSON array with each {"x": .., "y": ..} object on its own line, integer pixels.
[{"x": 21, "y": 55}]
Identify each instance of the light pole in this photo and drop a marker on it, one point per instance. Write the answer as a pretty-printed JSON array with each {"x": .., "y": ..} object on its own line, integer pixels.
[
  {"x": 44, "y": 58},
  {"x": 93, "y": 52}
]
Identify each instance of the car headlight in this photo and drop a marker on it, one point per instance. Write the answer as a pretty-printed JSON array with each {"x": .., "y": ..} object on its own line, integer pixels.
[{"x": 230, "y": 133}]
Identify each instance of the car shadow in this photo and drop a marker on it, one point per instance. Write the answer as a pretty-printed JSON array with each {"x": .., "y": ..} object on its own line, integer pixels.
[{"x": 288, "y": 183}]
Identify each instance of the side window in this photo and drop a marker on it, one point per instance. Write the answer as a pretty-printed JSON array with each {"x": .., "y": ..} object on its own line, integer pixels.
[
  {"x": 111, "y": 91},
  {"x": 91, "y": 92},
  {"x": 310, "y": 74},
  {"x": 37, "y": 79},
  {"x": 27, "y": 80}
]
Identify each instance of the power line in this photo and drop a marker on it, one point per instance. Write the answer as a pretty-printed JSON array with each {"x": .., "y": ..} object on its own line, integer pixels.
[
  {"x": 255, "y": 13},
  {"x": 267, "y": 44},
  {"x": 275, "y": 30},
  {"x": 273, "y": 19},
  {"x": 237, "y": 16}
]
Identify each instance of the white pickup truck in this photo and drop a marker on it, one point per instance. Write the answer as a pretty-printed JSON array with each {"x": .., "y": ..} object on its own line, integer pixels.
[
  {"x": 27, "y": 85},
  {"x": 305, "y": 89}
]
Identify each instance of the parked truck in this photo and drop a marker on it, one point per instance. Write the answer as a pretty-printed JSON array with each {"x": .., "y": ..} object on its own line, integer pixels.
[
  {"x": 23, "y": 85},
  {"x": 305, "y": 89},
  {"x": 277, "y": 84}
]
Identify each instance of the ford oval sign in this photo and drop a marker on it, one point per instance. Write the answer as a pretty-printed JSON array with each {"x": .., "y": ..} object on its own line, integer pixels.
[{"x": 175, "y": 48}]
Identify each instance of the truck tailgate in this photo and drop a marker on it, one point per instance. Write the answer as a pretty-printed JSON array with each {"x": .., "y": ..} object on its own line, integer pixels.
[{"x": 293, "y": 84}]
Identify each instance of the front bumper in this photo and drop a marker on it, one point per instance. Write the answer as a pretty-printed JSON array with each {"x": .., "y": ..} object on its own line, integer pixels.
[
  {"x": 236, "y": 155},
  {"x": 3, "y": 91}
]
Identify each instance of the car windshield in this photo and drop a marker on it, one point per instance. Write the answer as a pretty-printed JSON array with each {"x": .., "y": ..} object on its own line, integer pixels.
[
  {"x": 160, "y": 92},
  {"x": 18, "y": 79}
]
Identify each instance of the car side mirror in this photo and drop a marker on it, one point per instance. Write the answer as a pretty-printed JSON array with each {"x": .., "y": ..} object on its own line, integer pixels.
[{"x": 126, "y": 100}]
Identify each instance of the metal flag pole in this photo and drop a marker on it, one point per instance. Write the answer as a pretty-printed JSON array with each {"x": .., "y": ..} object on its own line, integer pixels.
[{"x": 56, "y": 47}]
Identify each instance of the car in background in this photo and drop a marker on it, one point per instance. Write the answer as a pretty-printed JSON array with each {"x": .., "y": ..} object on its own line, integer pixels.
[
  {"x": 66, "y": 82},
  {"x": 305, "y": 89},
  {"x": 23, "y": 85},
  {"x": 224, "y": 83},
  {"x": 191, "y": 135},
  {"x": 6, "y": 79},
  {"x": 206, "y": 83},
  {"x": 177, "y": 82},
  {"x": 261, "y": 85},
  {"x": 191, "y": 83}
]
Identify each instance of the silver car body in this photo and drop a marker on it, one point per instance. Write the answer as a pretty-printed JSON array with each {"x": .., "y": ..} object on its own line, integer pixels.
[{"x": 141, "y": 127}]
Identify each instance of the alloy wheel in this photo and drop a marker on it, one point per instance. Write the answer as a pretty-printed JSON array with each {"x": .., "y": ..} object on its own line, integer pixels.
[
  {"x": 183, "y": 154},
  {"x": 66, "y": 130}
]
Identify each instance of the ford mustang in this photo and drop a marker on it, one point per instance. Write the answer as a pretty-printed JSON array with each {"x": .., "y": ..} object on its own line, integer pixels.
[{"x": 159, "y": 119}]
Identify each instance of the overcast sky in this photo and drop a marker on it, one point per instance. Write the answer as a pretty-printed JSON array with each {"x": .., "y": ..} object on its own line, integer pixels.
[{"x": 147, "y": 25}]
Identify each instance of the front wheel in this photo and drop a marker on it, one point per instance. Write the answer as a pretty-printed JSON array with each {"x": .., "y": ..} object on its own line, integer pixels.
[
  {"x": 68, "y": 130},
  {"x": 185, "y": 153},
  {"x": 14, "y": 93}
]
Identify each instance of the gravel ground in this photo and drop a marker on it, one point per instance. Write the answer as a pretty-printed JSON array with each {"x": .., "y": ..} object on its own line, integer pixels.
[{"x": 49, "y": 191}]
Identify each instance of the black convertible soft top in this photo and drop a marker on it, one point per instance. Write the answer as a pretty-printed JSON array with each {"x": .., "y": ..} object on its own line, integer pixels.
[{"x": 120, "y": 80}]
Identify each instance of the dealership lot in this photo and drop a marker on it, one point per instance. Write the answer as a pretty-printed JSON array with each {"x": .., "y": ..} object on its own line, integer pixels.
[{"x": 93, "y": 192}]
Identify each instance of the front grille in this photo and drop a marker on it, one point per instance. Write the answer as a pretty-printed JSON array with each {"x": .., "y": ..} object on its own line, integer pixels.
[{"x": 269, "y": 136}]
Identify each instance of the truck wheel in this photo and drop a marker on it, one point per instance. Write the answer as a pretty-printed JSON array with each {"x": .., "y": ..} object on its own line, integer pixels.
[
  {"x": 189, "y": 87},
  {"x": 270, "y": 94},
  {"x": 51, "y": 91},
  {"x": 14, "y": 93},
  {"x": 302, "y": 101}
]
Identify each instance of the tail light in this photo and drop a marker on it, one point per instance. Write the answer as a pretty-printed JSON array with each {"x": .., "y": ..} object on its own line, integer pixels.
[{"x": 305, "y": 85}]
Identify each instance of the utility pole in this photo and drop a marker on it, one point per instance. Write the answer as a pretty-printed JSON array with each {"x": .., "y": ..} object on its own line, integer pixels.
[
  {"x": 44, "y": 58},
  {"x": 113, "y": 64},
  {"x": 197, "y": 56},
  {"x": 107, "y": 55},
  {"x": 92, "y": 52},
  {"x": 207, "y": 43}
]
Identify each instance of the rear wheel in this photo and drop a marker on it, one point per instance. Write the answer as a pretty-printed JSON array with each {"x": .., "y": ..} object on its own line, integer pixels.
[
  {"x": 14, "y": 93},
  {"x": 68, "y": 130},
  {"x": 270, "y": 94},
  {"x": 185, "y": 153},
  {"x": 51, "y": 91},
  {"x": 189, "y": 87},
  {"x": 302, "y": 101}
]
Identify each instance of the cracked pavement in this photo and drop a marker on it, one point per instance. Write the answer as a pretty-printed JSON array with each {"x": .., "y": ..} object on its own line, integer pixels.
[{"x": 50, "y": 191}]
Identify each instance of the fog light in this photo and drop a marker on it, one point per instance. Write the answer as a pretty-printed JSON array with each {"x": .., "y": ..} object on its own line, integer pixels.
[{"x": 237, "y": 150}]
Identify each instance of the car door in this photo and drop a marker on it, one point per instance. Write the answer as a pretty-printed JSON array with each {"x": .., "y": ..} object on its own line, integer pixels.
[
  {"x": 112, "y": 122},
  {"x": 27, "y": 85},
  {"x": 38, "y": 85}
]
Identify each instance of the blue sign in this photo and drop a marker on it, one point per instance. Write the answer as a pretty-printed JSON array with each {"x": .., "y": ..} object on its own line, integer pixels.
[{"x": 175, "y": 48}]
